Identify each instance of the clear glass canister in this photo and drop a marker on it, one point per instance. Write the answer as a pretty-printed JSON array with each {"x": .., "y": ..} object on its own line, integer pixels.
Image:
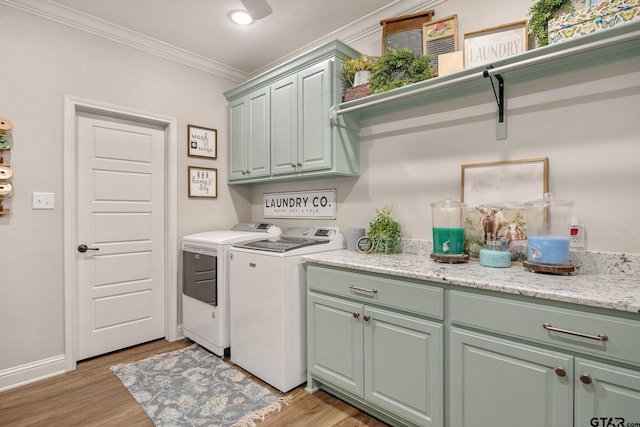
[
  {"x": 495, "y": 254},
  {"x": 448, "y": 227},
  {"x": 548, "y": 230}
]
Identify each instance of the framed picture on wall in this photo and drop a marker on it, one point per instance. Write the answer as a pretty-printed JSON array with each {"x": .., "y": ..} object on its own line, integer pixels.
[
  {"x": 203, "y": 142},
  {"x": 500, "y": 190},
  {"x": 203, "y": 182}
]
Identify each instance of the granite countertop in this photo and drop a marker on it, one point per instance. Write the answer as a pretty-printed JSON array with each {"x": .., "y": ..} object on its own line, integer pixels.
[{"x": 609, "y": 281}]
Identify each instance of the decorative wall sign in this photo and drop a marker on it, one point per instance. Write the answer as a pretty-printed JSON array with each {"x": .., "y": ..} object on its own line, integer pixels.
[
  {"x": 316, "y": 204},
  {"x": 499, "y": 190},
  {"x": 439, "y": 37},
  {"x": 203, "y": 142},
  {"x": 203, "y": 182},
  {"x": 488, "y": 45}
]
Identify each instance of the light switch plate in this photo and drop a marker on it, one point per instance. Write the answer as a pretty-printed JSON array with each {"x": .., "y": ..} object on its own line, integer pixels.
[{"x": 42, "y": 201}]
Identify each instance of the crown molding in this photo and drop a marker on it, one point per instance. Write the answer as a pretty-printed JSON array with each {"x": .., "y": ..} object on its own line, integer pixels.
[
  {"x": 361, "y": 28},
  {"x": 63, "y": 15}
]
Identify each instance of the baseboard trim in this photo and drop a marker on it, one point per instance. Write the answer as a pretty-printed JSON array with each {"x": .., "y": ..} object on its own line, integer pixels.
[{"x": 31, "y": 372}]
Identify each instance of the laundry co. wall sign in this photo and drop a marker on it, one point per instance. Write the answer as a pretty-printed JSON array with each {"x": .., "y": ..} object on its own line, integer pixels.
[{"x": 316, "y": 204}]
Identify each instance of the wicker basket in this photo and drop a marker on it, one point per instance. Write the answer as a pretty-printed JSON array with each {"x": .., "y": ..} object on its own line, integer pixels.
[{"x": 356, "y": 92}]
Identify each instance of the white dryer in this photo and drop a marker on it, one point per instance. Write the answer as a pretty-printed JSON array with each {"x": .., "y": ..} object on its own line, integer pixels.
[
  {"x": 205, "y": 282},
  {"x": 268, "y": 303}
]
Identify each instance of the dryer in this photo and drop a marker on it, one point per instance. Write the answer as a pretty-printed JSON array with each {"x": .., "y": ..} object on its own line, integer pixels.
[{"x": 205, "y": 282}]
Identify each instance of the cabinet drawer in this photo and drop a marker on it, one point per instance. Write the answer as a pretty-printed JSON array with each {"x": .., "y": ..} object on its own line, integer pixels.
[
  {"x": 405, "y": 295},
  {"x": 565, "y": 328}
]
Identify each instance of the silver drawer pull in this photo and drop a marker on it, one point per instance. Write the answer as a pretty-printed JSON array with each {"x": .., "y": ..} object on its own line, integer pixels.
[
  {"x": 599, "y": 337},
  {"x": 358, "y": 288}
]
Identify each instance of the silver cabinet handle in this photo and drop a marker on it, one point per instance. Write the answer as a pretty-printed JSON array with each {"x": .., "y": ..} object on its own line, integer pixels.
[
  {"x": 599, "y": 337},
  {"x": 358, "y": 288}
]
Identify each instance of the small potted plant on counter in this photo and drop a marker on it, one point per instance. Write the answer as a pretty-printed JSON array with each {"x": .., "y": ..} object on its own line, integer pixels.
[{"x": 384, "y": 233}]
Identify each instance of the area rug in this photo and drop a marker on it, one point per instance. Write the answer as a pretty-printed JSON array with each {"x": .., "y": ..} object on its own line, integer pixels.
[{"x": 192, "y": 387}]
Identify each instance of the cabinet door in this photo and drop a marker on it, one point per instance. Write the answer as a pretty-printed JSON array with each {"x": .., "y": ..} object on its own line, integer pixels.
[
  {"x": 403, "y": 365},
  {"x": 499, "y": 383},
  {"x": 284, "y": 126},
  {"x": 335, "y": 342},
  {"x": 609, "y": 394},
  {"x": 237, "y": 139},
  {"x": 258, "y": 134},
  {"x": 314, "y": 129}
]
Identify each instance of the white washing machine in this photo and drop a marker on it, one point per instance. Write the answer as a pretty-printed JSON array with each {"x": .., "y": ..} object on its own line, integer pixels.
[
  {"x": 268, "y": 303},
  {"x": 205, "y": 282}
]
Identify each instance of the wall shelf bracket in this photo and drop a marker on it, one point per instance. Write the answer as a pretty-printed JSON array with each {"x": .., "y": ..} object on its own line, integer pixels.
[{"x": 501, "y": 125}]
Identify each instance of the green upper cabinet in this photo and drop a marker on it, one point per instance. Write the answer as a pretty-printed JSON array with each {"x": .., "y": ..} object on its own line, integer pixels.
[
  {"x": 292, "y": 122},
  {"x": 249, "y": 125}
]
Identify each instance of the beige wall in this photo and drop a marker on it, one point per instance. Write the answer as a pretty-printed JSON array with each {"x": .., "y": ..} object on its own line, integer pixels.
[
  {"x": 585, "y": 123},
  {"x": 42, "y": 62}
]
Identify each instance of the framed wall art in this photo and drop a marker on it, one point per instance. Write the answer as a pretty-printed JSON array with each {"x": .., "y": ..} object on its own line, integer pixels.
[
  {"x": 500, "y": 190},
  {"x": 490, "y": 44},
  {"x": 203, "y": 142},
  {"x": 203, "y": 182}
]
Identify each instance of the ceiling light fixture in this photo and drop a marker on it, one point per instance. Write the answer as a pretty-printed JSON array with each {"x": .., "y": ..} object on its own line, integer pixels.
[{"x": 240, "y": 17}]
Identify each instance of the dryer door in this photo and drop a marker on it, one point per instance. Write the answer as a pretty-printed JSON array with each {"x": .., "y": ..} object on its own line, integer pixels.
[{"x": 200, "y": 277}]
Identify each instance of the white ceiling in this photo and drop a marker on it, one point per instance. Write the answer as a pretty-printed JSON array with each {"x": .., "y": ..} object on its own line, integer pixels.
[{"x": 197, "y": 32}]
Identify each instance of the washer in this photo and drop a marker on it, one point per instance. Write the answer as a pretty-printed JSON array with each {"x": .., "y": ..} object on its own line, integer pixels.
[
  {"x": 268, "y": 303},
  {"x": 205, "y": 282}
]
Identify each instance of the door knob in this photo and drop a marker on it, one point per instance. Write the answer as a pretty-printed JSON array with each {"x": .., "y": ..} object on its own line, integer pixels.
[{"x": 84, "y": 248}]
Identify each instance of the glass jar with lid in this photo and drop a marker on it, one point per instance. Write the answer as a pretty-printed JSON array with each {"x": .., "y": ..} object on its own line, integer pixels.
[
  {"x": 448, "y": 227},
  {"x": 548, "y": 230}
]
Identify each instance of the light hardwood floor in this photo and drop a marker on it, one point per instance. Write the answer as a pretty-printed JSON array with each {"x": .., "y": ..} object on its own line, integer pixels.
[{"x": 93, "y": 396}]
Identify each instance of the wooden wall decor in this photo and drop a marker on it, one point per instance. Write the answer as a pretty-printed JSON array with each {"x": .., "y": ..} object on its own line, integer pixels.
[
  {"x": 440, "y": 37},
  {"x": 404, "y": 31}
]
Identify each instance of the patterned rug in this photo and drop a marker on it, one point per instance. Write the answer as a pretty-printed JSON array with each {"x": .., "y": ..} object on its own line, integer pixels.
[{"x": 192, "y": 387}]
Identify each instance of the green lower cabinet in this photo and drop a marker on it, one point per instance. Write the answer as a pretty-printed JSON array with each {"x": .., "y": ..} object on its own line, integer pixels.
[
  {"x": 606, "y": 395},
  {"x": 499, "y": 383},
  {"x": 387, "y": 360}
]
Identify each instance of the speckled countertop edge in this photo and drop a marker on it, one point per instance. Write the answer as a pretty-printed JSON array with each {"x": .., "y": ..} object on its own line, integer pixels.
[{"x": 609, "y": 288}]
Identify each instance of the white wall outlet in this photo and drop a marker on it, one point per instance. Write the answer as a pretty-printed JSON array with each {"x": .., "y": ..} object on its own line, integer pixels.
[
  {"x": 577, "y": 236},
  {"x": 42, "y": 201}
]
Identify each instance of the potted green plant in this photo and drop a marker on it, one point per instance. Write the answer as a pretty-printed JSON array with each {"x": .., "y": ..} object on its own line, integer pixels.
[
  {"x": 357, "y": 70},
  {"x": 539, "y": 15},
  {"x": 384, "y": 232},
  {"x": 399, "y": 67}
]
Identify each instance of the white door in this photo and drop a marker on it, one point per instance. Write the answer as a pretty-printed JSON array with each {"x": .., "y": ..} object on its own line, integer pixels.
[{"x": 120, "y": 216}]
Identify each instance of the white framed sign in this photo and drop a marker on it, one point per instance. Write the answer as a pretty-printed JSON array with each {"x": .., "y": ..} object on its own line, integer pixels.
[
  {"x": 315, "y": 204},
  {"x": 488, "y": 45},
  {"x": 203, "y": 182},
  {"x": 203, "y": 142}
]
